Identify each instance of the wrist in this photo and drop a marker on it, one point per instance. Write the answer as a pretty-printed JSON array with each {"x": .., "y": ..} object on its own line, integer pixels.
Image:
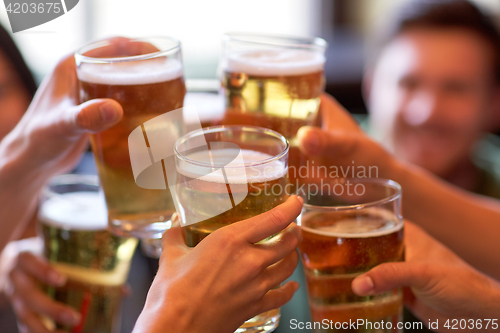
[{"x": 19, "y": 171}]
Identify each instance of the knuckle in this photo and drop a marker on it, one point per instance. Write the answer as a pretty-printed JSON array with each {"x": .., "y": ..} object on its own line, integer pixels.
[{"x": 255, "y": 265}]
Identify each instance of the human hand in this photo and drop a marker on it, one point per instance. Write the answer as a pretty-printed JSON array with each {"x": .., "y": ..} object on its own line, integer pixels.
[
  {"x": 227, "y": 278},
  {"x": 53, "y": 133},
  {"x": 439, "y": 285},
  {"x": 341, "y": 142},
  {"x": 22, "y": 272}
]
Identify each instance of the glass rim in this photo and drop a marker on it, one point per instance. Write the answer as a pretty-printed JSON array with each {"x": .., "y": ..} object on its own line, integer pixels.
[
  {"x": 222, "y": 128},
  {"x": 68, "y": 179},
  {"x": 79, "y": 57},
  {"x": 288, "y": 41},
  {"x": 378, "y": 181}
]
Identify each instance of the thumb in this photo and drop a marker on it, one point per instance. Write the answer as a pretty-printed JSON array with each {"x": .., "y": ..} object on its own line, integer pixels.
[
  {"x": 315, "y": 142},
  {"x": 389, "y": 276},
  {"x": 94, "y": 116}
]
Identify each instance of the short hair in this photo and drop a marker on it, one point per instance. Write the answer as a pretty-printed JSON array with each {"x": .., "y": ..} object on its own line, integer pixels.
[
  {"x": 9, "y": 48},
  {"x": 445, "y": 14}
]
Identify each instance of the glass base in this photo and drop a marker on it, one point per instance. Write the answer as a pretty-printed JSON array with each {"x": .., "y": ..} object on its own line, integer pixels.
[
  {"x": 139, "y": 228},
  {"x": 151, "y": 247},
  {"x": 264, "y": 322}
]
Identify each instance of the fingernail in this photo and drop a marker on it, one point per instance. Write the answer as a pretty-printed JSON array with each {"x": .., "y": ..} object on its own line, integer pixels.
[
  {"x": 71, "y": 318},
  {"x": 362, "y": 285},
  {"x": 310, "y": 140},
  {"x": 108, "y": 112},
  {"x": 301, "y": 200},
  {"x": 56, "y": 278}
]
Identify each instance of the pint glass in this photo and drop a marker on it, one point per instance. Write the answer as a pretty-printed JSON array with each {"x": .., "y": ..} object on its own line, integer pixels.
[
  {"x": 273, "y": 82},
  {"x": 229, "y": 174},
  {"x": 73, "y": 222},
  {"x": 145, "y": 77},
  {"x": 350, "y": 226}
]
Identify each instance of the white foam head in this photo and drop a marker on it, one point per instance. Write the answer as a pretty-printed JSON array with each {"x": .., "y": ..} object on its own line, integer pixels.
[
  {"x": 235, "y": 174},
  {"x": 380, "y": 224},
  {"x": 75, "y": 211},
  {"x": 274, "y": 62},
  {"x": 131, "y": 73}
]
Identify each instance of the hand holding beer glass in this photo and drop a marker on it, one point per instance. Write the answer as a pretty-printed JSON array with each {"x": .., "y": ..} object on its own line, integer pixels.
[
  {"x": 349, "y": 227},
  {"x": 73, "y": 225},
  {"x": 273, "y": 82},
  {"x": 227, "y": 174},
  {"x": 145, "y": 77}
]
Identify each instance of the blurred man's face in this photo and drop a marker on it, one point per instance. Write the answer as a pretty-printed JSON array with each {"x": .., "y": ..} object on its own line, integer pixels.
[
  {"x": 14, "y": 99},
  {"x": 430, "y": 97}
]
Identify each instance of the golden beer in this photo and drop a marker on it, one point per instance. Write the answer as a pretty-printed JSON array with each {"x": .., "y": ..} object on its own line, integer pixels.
[
  {"x": 96, "y": 262},
  {"x": 264, "y": 193},
  {"x": 145, "y": 88},
  {"x": 338, "y": 245},
  {"x": 244, "y": 176},
  {"x": 274, "y": 84}
]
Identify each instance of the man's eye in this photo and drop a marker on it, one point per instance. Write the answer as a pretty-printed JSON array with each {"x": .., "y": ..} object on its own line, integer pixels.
[
  {"x": 455, "y": 87},
  {"x": 408, "y": 83}
]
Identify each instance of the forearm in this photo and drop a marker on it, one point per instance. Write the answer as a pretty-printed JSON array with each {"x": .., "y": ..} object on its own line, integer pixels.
[
  {"x": 20, "y": 183},
  {"x": 466, "y": 223}
]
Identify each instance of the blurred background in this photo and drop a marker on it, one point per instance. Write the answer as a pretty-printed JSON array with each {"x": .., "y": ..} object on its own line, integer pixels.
[{"x": 347, "y": 25}]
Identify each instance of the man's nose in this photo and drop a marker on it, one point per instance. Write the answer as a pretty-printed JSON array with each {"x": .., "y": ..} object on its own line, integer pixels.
[{"x": 421, "y": 108}]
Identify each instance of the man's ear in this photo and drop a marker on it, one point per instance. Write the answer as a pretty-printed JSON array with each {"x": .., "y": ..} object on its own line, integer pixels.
[{"x": 493, "y": 121}]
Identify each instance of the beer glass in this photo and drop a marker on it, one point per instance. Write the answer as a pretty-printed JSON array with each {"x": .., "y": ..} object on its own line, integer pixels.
[
  {"x": 145, "y": 77},
  {"x": 273, "y": 82},
  {"x": 73, "y": 224},
  {"x": 228, "y": 174},
  {"x": 350, "y": 226}
]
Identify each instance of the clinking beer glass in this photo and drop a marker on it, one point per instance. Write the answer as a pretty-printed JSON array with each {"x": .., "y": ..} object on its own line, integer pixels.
[
  {"x": 273, "y": 82},
  {"x": 349, "y": 226},
  {"x": 146, "y": 77},
  {"x": 73, "y": 224},
  {"x": 227, "y": 174}
]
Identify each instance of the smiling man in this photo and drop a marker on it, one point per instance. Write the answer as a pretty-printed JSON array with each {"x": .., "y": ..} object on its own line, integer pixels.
[{"x": 434, "y": 92}]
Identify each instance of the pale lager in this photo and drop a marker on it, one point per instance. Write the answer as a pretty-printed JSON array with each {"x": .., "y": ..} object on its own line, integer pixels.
[
  {"x": 227, "y": 174},
  {"x": 96, "y": 262},
  {"x": 273, "y": 82}
]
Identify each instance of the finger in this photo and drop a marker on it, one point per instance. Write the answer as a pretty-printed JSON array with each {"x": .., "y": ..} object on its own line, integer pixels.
[
  {"x": 95, "y": 116},
  {"x": 173, "y": 245},
  {"x": 36, "y": 301},
  {"x": 274, "y": 275},
  {"x": 173, "y": 237},
  {"x": 28, "y": 321},
  {"x": 267, "y": 224},
  {"x": 279, "y": 246},
  {"x": 335, "y": 116},
  {"x": 278, "y": 297},
  {"x": 389, "y": 276},
  {"x": 39, "y": 268},
  {"x": 121, "y": 47},
  {"x": 316, "y": 142}
]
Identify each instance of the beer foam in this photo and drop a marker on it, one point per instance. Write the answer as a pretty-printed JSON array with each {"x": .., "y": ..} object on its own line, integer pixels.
[
  {"x": 359, "y": 228},
  {"x": 131, "y": 73},
  {"x": 77, "y": 211},
  {"x": 274, "y": 62},
  {"x": 236, "y": 174}
]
